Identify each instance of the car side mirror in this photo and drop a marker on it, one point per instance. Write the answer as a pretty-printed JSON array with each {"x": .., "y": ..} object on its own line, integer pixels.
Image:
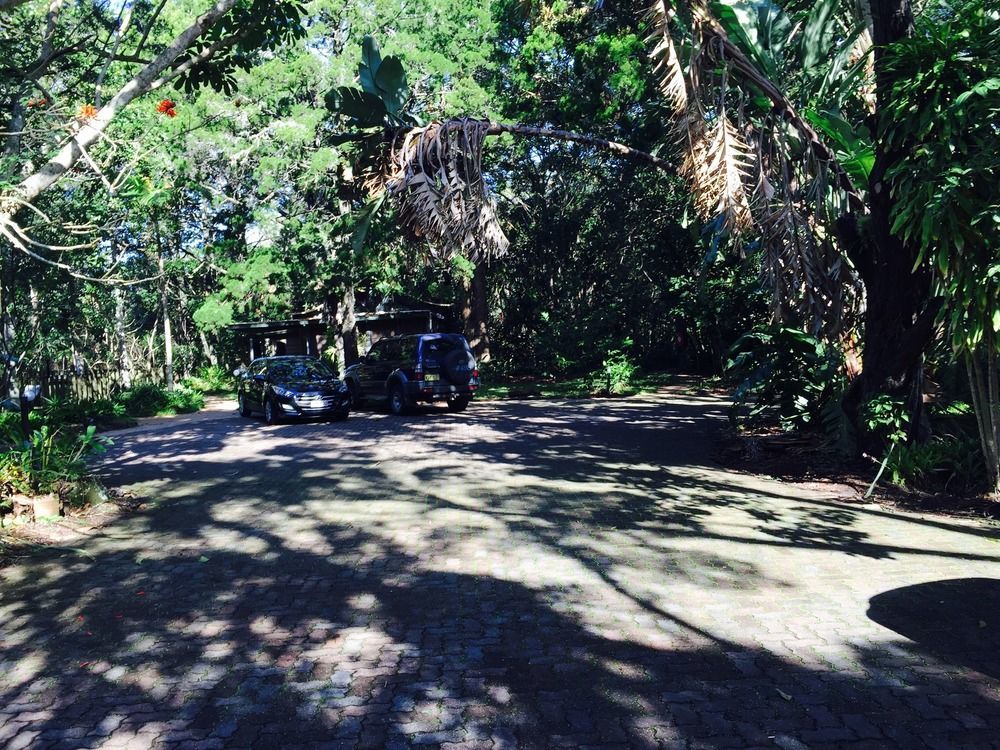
[
  {"x": 260, "y": 378},
  {"x": 240, "y": 372}
]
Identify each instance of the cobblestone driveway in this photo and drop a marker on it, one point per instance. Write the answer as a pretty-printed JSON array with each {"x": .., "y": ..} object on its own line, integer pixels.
[{"x": 532, "y": 575}]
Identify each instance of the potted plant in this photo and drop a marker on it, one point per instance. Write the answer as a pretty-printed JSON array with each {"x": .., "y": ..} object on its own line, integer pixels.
[{"x": 40, "y": 471}]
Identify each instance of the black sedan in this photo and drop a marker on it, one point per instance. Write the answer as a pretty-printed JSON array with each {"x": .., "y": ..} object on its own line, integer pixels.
[{"x": 292, "y": 387}]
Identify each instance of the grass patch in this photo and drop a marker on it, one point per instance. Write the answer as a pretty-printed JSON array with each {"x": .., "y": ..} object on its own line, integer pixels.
[{"x": 585, "y": 386}]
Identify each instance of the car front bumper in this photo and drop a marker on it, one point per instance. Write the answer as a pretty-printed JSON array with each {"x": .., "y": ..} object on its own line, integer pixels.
[{"x": 314, "y": 404}]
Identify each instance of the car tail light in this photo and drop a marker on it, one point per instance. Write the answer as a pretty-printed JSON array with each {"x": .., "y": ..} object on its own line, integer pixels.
[
  {"x": 418, "y": 372},
  {"x": 475, "y": 373}
]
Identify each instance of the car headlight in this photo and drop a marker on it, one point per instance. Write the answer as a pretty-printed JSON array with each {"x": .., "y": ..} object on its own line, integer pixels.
[{"x": 282, "y": 392}]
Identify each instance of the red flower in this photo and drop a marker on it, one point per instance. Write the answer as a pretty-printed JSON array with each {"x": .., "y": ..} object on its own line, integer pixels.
[
  {"x": 164, "y": 107},
  {"x": 86, "y": 111},
  {"x": 171, "y": 112}
]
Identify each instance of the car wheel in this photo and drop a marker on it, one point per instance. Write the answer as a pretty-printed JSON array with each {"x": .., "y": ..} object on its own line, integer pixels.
[
  {"x": 271, "y": 413},
  {"x": 458, "y": 404},
  {"x": 244, "y": 409},
  {"x": 397, "y": 400}
]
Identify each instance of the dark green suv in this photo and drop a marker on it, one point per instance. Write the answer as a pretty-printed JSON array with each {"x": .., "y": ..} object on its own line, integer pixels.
[{"x": 405, "y": 370}]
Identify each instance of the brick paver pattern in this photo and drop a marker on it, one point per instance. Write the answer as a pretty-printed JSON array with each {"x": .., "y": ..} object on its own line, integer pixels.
[{"x": 526, "y": 574}]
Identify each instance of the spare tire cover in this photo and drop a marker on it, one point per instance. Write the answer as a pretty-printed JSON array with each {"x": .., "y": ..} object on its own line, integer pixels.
[{"x": 458, "y": 365}]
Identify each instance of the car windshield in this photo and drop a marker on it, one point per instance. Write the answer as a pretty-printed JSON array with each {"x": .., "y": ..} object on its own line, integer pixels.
[{"x": 300, "y": 369}]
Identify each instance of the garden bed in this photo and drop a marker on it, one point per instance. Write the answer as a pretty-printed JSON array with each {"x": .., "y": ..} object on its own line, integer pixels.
[
  {"x": 65, "y": 532},
  {"x": 584, "y": 386},
  {"x": 795, "y": 457}
]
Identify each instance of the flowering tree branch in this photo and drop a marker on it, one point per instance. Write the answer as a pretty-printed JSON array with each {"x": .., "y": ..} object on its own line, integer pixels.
[{"x": 91, "y": 128}]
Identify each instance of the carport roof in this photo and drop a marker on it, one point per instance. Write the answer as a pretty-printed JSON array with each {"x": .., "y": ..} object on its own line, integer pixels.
[
  {"x": 314, "y": 325},
  {"x": 396, "y": 315},
  {"x": 310, "y": 325}
]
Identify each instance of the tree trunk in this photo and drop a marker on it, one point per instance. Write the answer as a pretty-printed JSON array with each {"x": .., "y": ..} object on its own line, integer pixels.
[
  {"x": 121, "y": 341},
  {"x": 25, "y": 413},
  {"x": 168, "y": 342},
  {"x": 207, "y": 349},
  {"x": 347, "y": 328},
  {"x": 899, "y": 314},
  {"x": 475, "y": 314},
  {"x": 124, "y": 358},
  {"x": 6, "y": 328},
  {"x": 151, "y": 351},
  {"x": 983, "y": 385}
]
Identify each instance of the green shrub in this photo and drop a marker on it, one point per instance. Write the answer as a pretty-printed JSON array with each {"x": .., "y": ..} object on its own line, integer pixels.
[
  {"x": 785, "y": 374},
  {"x": 886, "y": 417},
  {"x": 104, "y": 409},
  {"x": 10, "y": 429},
  {"x": 212, "y": 379},
  {"x": 148, "y": 400},
  {"x": 184, "y": 400},
  {"x": 619, "y": 371},
  {"x": 56, "y": 412},
  {"x": 947, "y": 463},
  {"x": 145, "y": 400},
  {"x": 48, "y": 461},
  {"x": 953, "y": 409},
  {"x": 493, "y": 372},
  {"x": 59, "y": 411}
]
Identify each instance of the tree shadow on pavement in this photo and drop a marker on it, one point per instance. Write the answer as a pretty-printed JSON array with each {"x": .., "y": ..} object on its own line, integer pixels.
[
  {"x": 511, "y": 577},
  {"x": 957, "y": 620},
  {"x": 286, "y": 648}
]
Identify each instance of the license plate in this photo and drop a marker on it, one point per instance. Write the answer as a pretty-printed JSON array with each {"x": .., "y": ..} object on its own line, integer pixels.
[{"x": 431, "y": 377}]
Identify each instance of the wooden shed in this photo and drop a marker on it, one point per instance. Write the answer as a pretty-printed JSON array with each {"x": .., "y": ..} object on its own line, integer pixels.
[{"x": 273, "y": 337}]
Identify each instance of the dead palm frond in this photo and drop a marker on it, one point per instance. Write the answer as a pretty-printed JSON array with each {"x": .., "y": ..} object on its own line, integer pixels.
[
  {"x": 717, "y": 164},
  {"x": 435, "y": 173},
  {"x": 769, "y": 179},
  {"x": 667, "y": 64}
]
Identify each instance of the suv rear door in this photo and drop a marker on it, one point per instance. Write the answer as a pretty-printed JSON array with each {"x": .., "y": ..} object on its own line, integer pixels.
[{"x": 447, "y": 357}]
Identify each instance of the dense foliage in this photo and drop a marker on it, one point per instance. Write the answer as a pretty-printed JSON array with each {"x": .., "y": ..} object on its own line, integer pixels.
[{"x": 834, "y": 192}]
